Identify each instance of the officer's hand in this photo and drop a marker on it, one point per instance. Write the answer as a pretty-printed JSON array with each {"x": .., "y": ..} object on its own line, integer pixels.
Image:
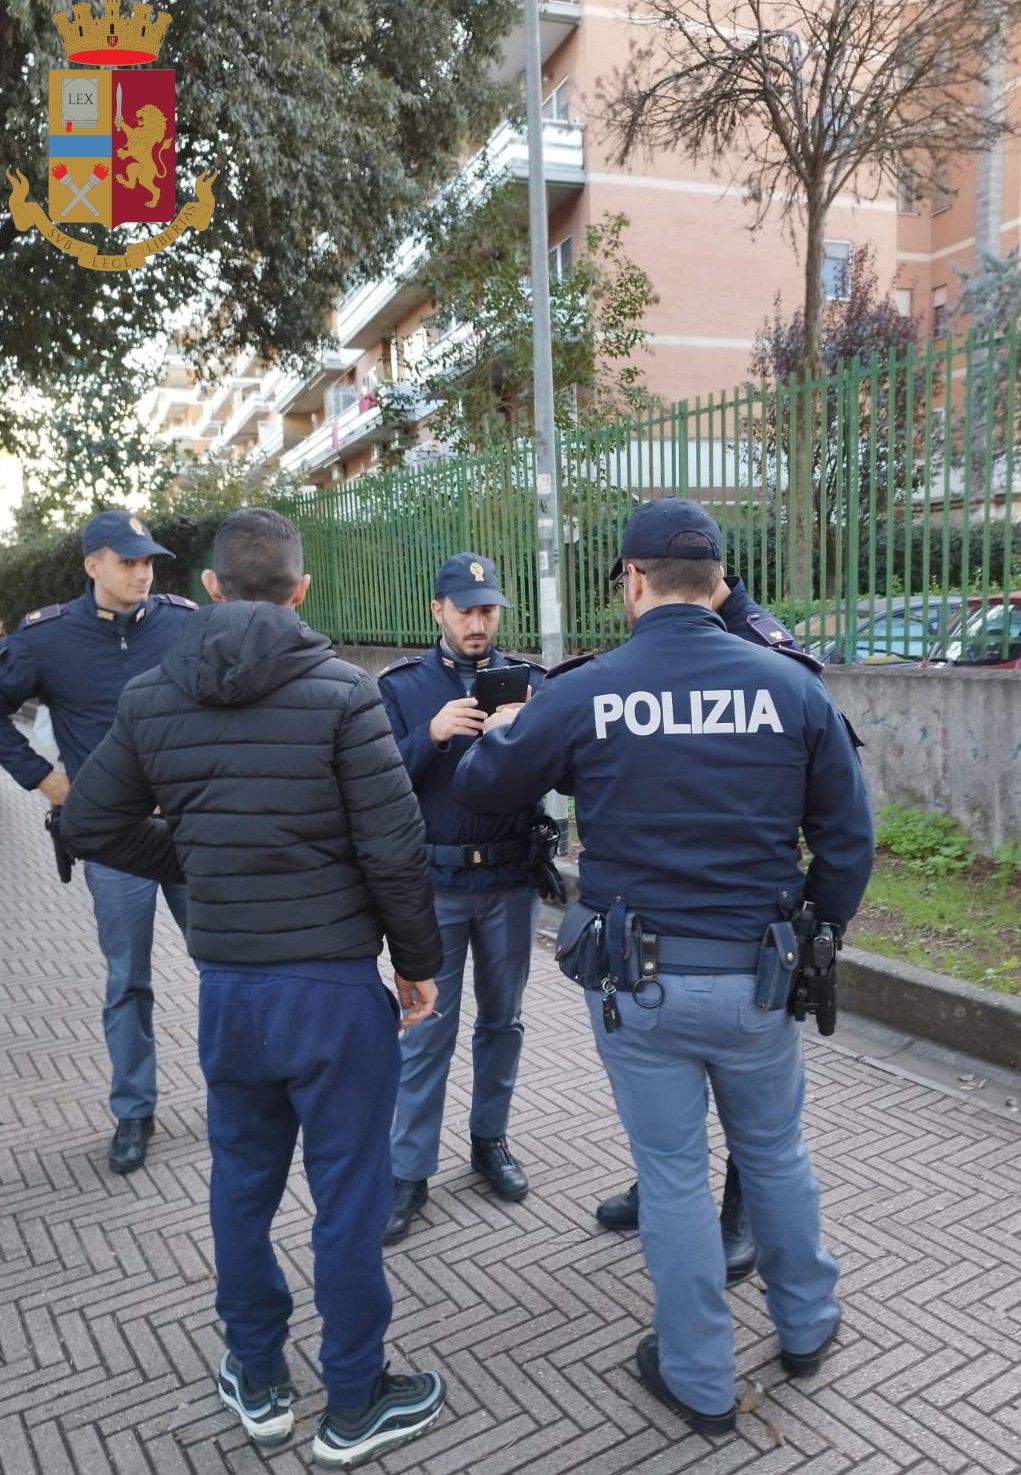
[
  {"x": 418, "y": 1000},
  {"x": 459, "y": 718},
  {"x": 503, "y": 716},
  {"x": 54, "y": 787}
]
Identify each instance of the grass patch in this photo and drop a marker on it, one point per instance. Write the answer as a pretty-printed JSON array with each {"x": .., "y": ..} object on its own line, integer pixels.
[
  {"x": 934, "y": 901},
  {"x": 967, "y": 924}
]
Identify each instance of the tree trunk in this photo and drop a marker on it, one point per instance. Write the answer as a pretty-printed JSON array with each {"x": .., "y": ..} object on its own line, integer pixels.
[{"x": 803, "y": 511}]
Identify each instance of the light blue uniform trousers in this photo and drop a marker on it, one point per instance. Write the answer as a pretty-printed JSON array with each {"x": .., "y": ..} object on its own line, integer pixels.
[
  {"x": 125, "y": 907},
  {"x": 499, "y": 927},
  {"x": 659, "y": 1061}
]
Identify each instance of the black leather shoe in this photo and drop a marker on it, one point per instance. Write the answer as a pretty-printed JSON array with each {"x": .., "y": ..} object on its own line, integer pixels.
[
  {"x": 492, "y": 1158},
  {"x": 648, "y": 1370},
  {"x": 129, "y": 1144},
  {"x": 806, "y": 1364},
  {"x": 409, "y": 1196},
  {"x": 621, "y": 1211}
]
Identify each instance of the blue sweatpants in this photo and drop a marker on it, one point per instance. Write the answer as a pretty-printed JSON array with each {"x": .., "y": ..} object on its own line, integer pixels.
[{"x": 309, "y": 1045}]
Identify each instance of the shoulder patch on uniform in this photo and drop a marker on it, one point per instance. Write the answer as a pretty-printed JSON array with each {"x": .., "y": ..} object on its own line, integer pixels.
[
  {"x": 402, "y": 664},
  {"x": 812, "y": 662},
  {"x": 40, "y": 616},
  {"x": 571, "y": 664},
  {"x": 177, "y": 599},
  {"x": 770, "y": 630}
]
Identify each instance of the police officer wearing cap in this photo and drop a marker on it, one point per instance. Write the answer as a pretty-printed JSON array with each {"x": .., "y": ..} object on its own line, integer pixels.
[
  {"x": 77, "y": 658},
  {"x": 485, "y": 898},
  {"x": 743, "y": 617},
  {"x": 694, "y": 761}
]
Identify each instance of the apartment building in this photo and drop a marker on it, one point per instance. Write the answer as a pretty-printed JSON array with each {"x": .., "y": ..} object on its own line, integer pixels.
[{"x": 716, "y": 280}]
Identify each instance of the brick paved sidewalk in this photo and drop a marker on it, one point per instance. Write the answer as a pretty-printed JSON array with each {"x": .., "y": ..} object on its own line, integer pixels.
[{"x": 107, "y": 1333}]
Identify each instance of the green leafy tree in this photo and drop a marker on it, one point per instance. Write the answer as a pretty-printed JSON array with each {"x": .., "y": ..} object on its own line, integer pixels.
[
  {"x": 330, "y": 126},
  {"x": 861, "y": 335},
  {"x": 479, "y": 373}
]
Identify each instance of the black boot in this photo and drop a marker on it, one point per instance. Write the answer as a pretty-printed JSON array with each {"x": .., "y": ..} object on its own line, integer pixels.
[
  {"x": 493, "y": 1159},
  {"x": 738, "y": 1245},
  {"x": 409, "y": 1196}
]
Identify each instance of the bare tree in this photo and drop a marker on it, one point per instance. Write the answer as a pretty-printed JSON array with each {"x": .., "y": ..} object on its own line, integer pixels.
[{"x": 804, "y": 100}]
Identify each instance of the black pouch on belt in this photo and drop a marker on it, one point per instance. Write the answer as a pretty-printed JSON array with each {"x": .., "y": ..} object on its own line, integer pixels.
[
  {"x": 778, "y": 959},
  {"x": 581, "y": 946}
]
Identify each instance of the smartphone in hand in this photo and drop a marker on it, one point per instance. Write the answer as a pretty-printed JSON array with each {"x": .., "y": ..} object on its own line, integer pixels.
[{"x": 500, "y": 685}]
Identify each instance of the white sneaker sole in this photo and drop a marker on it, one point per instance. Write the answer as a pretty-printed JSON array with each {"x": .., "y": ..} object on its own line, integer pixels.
[
  {"x": 267, "y": 1431},
  {"x": 368, "y": 1449}
]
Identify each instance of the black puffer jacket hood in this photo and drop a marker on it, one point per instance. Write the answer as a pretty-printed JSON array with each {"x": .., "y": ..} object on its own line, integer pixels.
[
  {"x": 283, "y": 800},
  {"x": 229, "y": 655}
]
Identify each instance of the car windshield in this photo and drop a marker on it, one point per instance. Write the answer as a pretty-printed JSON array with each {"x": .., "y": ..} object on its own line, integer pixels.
[{"x": 980, "y": 637}]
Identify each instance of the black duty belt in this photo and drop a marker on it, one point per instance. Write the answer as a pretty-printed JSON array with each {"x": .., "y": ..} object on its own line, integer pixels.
[
  {"x": 467, "y": 857},
  {"x": 674, "y": 954}
]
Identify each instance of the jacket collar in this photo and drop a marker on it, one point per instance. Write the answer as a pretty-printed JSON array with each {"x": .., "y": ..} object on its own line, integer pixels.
[{"x": 680, "y": 616}]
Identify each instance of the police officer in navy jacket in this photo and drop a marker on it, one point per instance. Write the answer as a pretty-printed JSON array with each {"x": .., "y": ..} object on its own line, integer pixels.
[
  {"x": 485, "y": 898},
  {"x": 743, "y": 617},
  {"x": 77, "y": 658},
  {"x": 694, "y": 761}
]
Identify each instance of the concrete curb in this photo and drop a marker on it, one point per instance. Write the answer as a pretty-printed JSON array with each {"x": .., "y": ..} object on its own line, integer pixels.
[{"x": 915, "y": 1001}]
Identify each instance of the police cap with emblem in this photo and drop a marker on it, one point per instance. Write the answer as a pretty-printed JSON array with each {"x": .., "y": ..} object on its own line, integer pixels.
[
  {"x": 468, "y": 580},
  {"x": 658, "y": 529},
  {"x": 124, "y": 534}
]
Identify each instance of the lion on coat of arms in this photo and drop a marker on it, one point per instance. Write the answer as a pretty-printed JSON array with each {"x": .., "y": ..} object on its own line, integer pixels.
[{"x": 140, "y": 146}]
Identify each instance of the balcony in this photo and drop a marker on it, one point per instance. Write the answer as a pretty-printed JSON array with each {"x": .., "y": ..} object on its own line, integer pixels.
[
  {"x": 361, "y": 424},
  {"x": 557, "y": 19},
  {"x": 364, "y": 313},
  {"x": 242, "y": 421}
]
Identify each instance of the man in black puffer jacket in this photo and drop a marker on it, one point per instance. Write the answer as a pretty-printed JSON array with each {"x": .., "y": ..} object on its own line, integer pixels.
[{"x": 286, "y": 808}]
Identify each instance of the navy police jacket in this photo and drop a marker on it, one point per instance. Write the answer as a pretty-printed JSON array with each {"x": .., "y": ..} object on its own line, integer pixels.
[
  {"x": 693, "y": 760},
  {"x": 413, "y": 691},
  {"x": 77, "y": 658}
]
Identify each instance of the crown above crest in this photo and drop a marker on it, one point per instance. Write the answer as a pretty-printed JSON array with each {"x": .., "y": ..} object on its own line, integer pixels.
[{"x": 112, "y": 39}]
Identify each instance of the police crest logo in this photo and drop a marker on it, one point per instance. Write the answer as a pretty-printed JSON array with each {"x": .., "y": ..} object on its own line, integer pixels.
[
  {"x": 477, "y": 572},
  {"x": 136, "y": 526},
  {"x": 111, "y": 139}
]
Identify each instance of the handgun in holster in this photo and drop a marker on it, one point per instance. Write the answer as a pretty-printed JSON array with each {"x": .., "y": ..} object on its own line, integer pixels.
[
  {"x": 63, "y": 857},
  {"x": 814, "y": 986}
]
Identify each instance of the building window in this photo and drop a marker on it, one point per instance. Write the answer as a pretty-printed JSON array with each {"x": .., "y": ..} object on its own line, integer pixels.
[
  {"x": 902, "y": 297},
  {"x": 939, "y": 311},
  {"x": 560, "y": 260},
  {"x": 556, "y": 107},
  {"x": 836, "y": 258},
  {"x": 941, "y": 193},
  {"x": 907, "y": 189}
]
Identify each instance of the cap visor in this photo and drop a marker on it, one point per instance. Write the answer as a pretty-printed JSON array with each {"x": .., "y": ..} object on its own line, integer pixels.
[
  {"x": 472, "y": 598},
  {"x": 141, "y": 548}
]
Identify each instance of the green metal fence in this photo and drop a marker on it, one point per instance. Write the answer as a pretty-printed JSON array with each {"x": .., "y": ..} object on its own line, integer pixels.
[{"x": 862, "y": 506}]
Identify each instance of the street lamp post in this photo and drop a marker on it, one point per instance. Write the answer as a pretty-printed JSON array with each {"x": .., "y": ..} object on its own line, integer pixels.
[{"x": 547, "y": 498}]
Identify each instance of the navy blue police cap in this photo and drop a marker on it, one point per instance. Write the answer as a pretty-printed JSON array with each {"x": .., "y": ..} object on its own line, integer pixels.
[
  {"x": 122, "y": 532},
  {"x": 653, "y": 531},
  {"x": 468, "y": 580}
]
